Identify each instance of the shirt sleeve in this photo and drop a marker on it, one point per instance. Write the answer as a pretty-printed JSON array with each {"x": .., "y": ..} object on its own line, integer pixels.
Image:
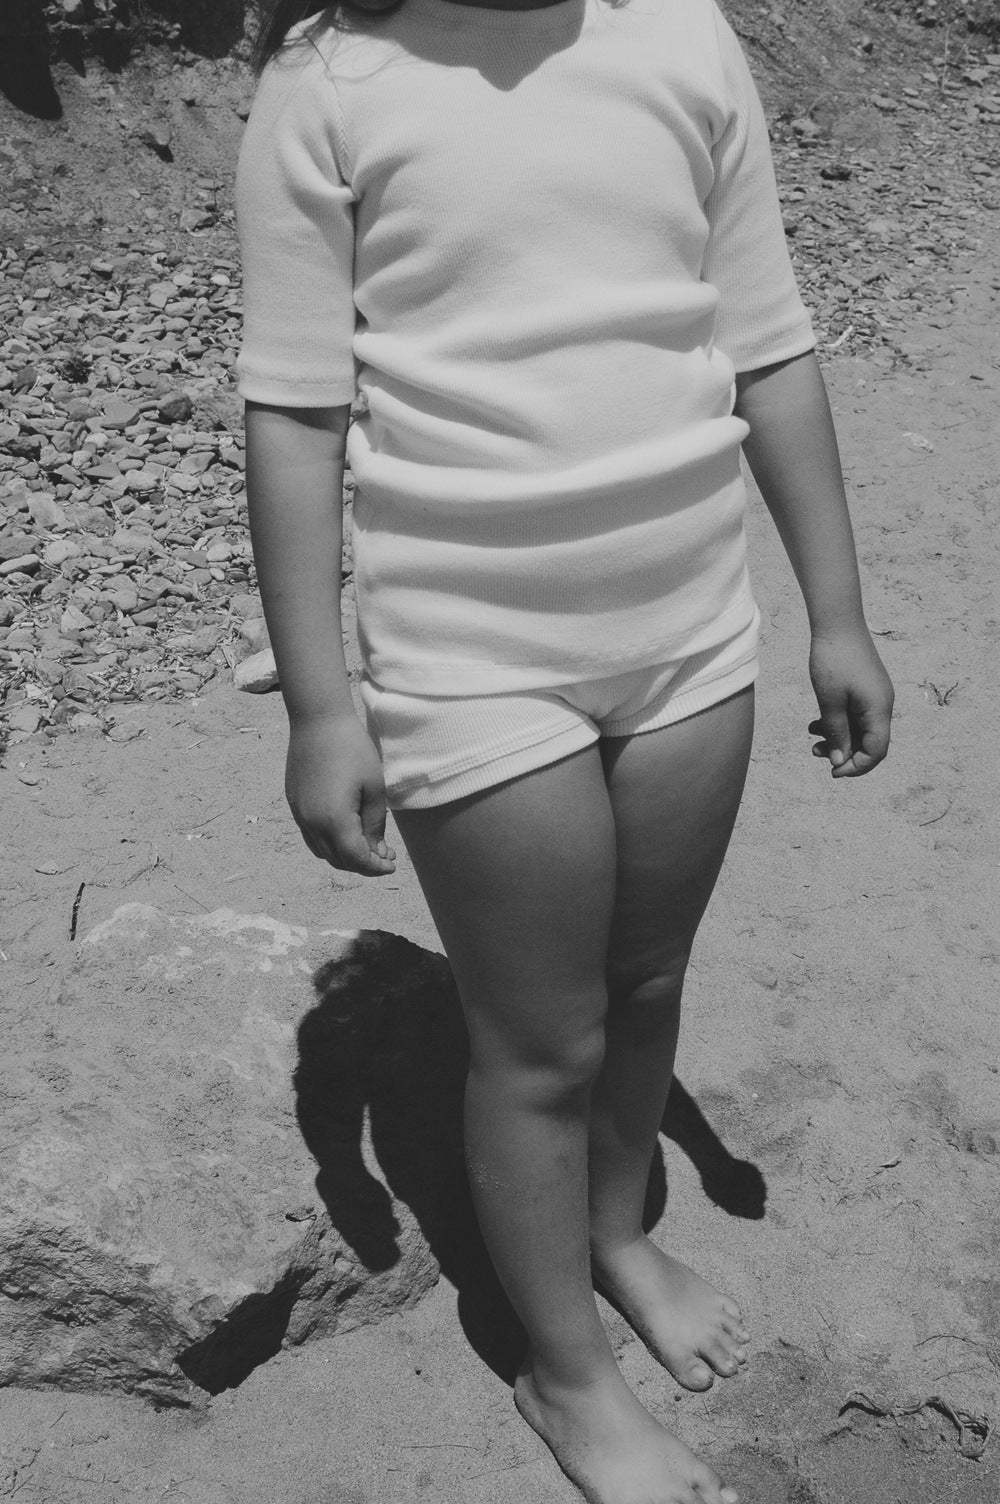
[
  {"x": 295, "y": 218},
  {"x": 761, "y": 318}
]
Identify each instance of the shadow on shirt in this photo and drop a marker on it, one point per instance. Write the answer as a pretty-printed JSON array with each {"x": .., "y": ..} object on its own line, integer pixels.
[{"x": 386, "y": 1039}]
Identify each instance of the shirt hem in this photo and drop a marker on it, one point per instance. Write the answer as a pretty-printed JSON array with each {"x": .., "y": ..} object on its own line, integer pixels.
[
  {"x": 304, "y": 391},
  {"x": 468, "y": 677}
]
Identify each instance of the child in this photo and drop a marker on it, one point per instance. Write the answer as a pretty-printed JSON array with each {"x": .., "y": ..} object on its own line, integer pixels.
[{"x": 544, "y": 242}]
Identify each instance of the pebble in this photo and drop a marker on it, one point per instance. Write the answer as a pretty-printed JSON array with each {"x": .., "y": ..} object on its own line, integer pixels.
[
  {"x": 175, "y": 409},
  {"x": 44, "y": 511},
  {"x": 23, "y": 564},
  {"x": 116, "y": 415},
  {"x": 255, "y": 634},
  {"x": 58, "y": 551},
  {"x": 257, "y": 674},
  {"x": 25, "y": 718}
]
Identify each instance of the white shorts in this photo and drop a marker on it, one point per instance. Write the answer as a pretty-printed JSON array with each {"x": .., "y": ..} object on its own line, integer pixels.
[{"x": 436, "y": 749}]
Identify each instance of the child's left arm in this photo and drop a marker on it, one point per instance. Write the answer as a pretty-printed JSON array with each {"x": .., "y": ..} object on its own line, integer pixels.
[{"x": 792, "y": 452}]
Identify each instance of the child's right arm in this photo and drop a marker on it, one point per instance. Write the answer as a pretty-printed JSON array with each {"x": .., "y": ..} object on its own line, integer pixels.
[{"x": 333, "y": 779}]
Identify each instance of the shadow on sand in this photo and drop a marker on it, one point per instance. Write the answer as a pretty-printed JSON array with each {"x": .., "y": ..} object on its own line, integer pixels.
[
  {"x": 386, "y": 1037},
  {"x": 25, "y": 72},
  {"x": 27, "y": 46}
]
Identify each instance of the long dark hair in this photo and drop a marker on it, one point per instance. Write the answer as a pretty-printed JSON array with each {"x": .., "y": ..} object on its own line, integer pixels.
[{"x": 277, "y": 17}]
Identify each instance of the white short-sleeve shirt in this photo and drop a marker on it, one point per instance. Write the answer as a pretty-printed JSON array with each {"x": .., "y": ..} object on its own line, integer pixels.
[{"x": 541, "y": 243}]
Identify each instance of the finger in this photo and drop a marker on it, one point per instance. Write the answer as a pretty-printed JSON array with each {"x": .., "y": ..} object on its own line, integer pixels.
[
  {"x": 348, "y": 850},
  {"x": 872, "y": 736},
  {"x": 373, "y": 815},
  {"x": 857, "y": 765},
  {"x": 361, "y": 846},
  {"x": 871, "y": 743},
  {"x": 832, "y": 723},
  {"x": 359, "y": 857}
]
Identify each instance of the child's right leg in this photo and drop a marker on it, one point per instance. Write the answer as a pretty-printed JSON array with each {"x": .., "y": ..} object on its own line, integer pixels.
[{"x": 520, "y": 880}]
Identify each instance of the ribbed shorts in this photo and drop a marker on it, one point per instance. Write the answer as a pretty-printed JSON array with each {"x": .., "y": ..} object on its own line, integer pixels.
[{"x": 440, "y": 748}]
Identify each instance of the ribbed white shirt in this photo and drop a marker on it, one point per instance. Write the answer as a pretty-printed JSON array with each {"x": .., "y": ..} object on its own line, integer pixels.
[{"x": 540, "y": 243}]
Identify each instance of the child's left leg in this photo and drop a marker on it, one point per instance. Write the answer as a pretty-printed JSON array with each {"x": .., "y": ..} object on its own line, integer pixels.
[{"x": 674, "y": 793}]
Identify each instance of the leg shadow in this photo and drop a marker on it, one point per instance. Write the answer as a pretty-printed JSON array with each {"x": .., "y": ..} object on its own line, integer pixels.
[
  {"x": 387, "y": 1038},
  {"x": 734, "y": 1185},
  {"x": 386, "y": 1041}
]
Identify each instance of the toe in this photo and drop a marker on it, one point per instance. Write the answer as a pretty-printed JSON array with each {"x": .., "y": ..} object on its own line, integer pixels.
[
  {"x": 734, "y": 1327},
  {"x": 710, "y": 1489},
  {"x": 721, "y": 1357},
  {"x": 695, "y": 1375}
]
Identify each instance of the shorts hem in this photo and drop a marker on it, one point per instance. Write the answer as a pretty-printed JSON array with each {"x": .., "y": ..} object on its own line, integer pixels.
[
  {"x": 682, "y": 705},
  {"x": 512, "y": 763}
]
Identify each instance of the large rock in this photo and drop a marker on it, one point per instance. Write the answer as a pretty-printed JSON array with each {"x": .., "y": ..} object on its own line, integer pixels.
[{"x": 213, "y": 1147}]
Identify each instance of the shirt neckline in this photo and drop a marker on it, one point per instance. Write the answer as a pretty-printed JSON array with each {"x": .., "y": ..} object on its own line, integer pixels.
[{"x": 457, "y": 16}]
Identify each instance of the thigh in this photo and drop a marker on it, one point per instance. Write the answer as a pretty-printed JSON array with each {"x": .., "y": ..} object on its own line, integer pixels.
[
  {"x": 674, "y": 794},
  {"x": 520, "y": 882}
]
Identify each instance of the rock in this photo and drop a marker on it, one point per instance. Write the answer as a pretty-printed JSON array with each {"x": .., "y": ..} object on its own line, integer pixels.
[
  {"x": 26, "y": 719},
  {"x": 6, "y": 613},
  {"x": 143, "y": 479},
  {"x": 14, "y": 545},
  {"x": 158, "y": 136},
  {"x": 77, "y": 683},
  {"x": 24, "y": 379},
  {"x": 117, "y": 414},
  {"x": 59, "y": 550},
  {"x": 246, "y": 607},
  {"x": 197, "y": 644},
  {"x": 196, "y": 219},
  {"x": 45, "y": 511},
  {"x": 254, "y": 632},
  {"x": 177, "y": 408},
  {"x": 23, "y": 564},
  {"x": 192, "y": 1081},
  {"x": 123, "y": 595},
  {"x": 256, "y": 674},
  {"x": 73, "y": 620},
  {"x": 197, "y": 462},
  {"x": 765, "y": 977}
]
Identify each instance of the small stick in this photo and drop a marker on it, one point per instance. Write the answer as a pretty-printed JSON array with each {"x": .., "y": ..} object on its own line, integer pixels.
[{"x": 76, "y": 910}]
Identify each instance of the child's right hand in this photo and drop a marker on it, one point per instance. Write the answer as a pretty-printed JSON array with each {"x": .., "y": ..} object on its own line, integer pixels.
[{"x": 335, "y": 790}]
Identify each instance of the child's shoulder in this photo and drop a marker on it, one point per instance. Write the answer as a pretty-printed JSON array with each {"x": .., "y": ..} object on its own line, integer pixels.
[{"x": 335, "y": 36}]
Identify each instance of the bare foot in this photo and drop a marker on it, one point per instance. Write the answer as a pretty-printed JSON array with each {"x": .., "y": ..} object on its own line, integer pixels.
[
  {"x": 685, "y": 1322},
  {"x": 610, "y": 1446}
]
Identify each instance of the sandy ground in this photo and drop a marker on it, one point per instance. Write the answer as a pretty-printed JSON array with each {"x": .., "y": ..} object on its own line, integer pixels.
[{"x": 840, "y": 1174}]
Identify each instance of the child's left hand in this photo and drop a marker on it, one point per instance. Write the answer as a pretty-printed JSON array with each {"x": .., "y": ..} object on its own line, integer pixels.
[{"x": 855, "y": 701}]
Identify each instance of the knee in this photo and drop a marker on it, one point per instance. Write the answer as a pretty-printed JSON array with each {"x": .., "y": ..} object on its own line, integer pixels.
[
  {"x": 649, "y": 989},
  {"x": 549, "y": 1067}
]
